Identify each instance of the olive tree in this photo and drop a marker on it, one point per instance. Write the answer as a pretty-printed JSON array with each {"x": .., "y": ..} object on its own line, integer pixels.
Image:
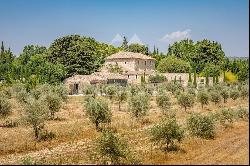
[
  {"x": 234, "y": 94},
  {"x": 139, "y": 105},
  {"x": 215, "y": 97},
  {"x": 167, "y": 133},
  {"x": 61, "y": 91},
  {"x": 35, "y": 114},
  {"x": 201, "y": 125},
  {"x": 89, "y": 90},
  {"x": 110, "y": 91},
  {"x": 121, "y": 96},
  {"x": 5, "y": 107},
  {"x": 203, "y": 98},
  {"x": 225, "y": 94},
  {"x": 185, "y": 100},
  {"x": 98, "y": 111},
  {"x": 244, "y": 91},
  {"x": 163, "y": 101},
  {"x": 111, "y": 148},
  {"x": 54, "y": 103}
]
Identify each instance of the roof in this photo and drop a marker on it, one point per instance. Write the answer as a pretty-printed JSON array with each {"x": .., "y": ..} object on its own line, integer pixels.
[{"x": 129, "y": 55}]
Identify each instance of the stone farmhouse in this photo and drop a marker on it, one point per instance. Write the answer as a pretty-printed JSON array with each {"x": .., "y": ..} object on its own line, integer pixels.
[{"x": 132, "y": 66}]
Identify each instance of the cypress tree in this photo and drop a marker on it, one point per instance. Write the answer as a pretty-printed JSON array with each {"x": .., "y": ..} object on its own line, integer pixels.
[
  {"x": 2, "y": 47},
  {"x": 174, "y": 79},
  {"x": 189, "y": 77},
  {"x": 213, "y": 80},
  {"x": 157, "y": 51},
  {"x": 224, "y": 76},
  {"x": 207, "y": 80},
  {"x": 217, "y": 79},
  {"x": 125, "y": 44},
  {"x": 195, "y": 82},
  {"x": 154, "y": 52}
]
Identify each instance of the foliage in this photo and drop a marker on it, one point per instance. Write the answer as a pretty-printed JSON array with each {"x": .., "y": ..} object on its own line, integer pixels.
[
  {"x": 35, "y": 114},
  {"x": 89, "y": 89},
  {"x": 171, "y": 64},
  {"x": 215, "y": 97},
  {"x": 163, "y": 101},
  {"x": 139, "y": 105},
  {"x": 115, "y": 68},
  {"x": 98, "y": 111},
  {"x": 226, "y": 117},
  {"x": 212, "y": 70},
  {"x": 201, "y": 125},
  {"x": 230, "y": 77},
  {"x": 243, "y": 113},
  {"x": 5, "y": 107},
  {"x": 54, "y": 102},
  {"x": 234, "y": 94},
  {"x": 112, "y": 149},
  {"x": 61, "y": 91},
  {"x": 185, "y": 100},
  {"x": 244, "y": 92},
  {"x": 110, "y": 91},
  {"x": 121, "y": 96},
  {"x": 203, "y": 97},
  {"x": 157, "y": 78},
  {"x": 137, "y": 48},
  {"x": 167, "y": 133},
  {"x": 225, "y": 94}
]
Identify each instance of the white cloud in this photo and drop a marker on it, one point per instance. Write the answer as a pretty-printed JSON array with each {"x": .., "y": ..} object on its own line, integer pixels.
[
  {"x": 176, "y": 36},
  {"x": 135, "y": 40}
]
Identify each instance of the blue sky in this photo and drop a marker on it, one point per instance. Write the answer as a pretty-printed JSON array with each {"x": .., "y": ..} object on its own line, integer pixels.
[{"x": 155, "y": 22}]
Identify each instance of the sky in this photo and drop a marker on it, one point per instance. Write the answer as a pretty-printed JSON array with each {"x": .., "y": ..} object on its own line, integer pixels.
[{"x": 149, "y": 22}]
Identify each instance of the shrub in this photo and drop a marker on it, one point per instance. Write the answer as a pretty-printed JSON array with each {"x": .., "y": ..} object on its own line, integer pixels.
[
  {"x": 61, "y": 91},
  {"x": 226, "y": 117},
  {"x": 243, "y": 113},
  {"x": 89, "y": 90},
  {"x": 98, "y": 111},
  {"x": 191, "y": 91},
  {"x": 234, "y": 94},
  {"x": 173, "y": 87},
  {"x": 110, "y": 91},
  {"x": 35, "y": 114},
  {"x": 39, "y": 90},
  {"x": 167, "y": 133},
  {"x": 185, "y": 100},
  {"x": 203, "y": 97},
  {"x": 22, "y": 96},
  {"x": 139, "y": 105},
  {"x": 201, "y": 125},
  {"x": 157, "y": 78},
  {"x": 163, "y": 101},
  {"x": 5, "y": 107},
  {"x": 225, "y": 94},
  {"x": 147, "y": 89},
  {"x": 112, "y": 149},
  {"x": 244, "y": 91},
  {"x": 121, "y": 96},
  {"x": 54, "y": 103},
  {"x": 215, "y": 97},
  {"x": 133, "y": 90}
]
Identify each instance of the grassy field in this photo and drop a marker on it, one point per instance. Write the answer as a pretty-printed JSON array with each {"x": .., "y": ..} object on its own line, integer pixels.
[{"x": 75, "y": 136}]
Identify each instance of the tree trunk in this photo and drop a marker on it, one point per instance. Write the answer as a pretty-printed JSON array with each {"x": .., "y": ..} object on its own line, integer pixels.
[
  {"x": 202, "y": 106},
  {"x": 97, "y": 125},
  {"x": 36, "y": 130},
  {"x": 119, "y": 106}
]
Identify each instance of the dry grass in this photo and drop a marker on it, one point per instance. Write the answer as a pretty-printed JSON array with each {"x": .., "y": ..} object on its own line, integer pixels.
[{"x": 75, "y": 135}]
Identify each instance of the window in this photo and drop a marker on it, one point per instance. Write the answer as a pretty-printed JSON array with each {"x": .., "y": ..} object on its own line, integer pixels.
[
  {"x": 125, "y": 62},
  {"x": 138, "y": 62},
  {"x": 145, "y": 62},
  {"x": 135, "y": 76},
  {"x": 128, "y": 76}
]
